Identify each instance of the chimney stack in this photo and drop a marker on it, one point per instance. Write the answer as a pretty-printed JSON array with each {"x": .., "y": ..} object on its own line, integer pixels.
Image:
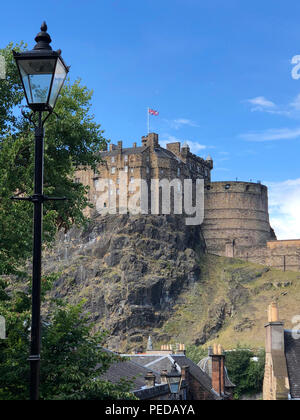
[
  {"x": 163, "y": 376},
  {"x": 218, "y": 366},
  {"x": 276, "y": 375},
  {"x": 150, "y": 380}
]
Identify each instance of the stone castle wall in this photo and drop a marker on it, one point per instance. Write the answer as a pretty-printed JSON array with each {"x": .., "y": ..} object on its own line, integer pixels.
[
  {"x": 236, "y": 217},
  {"x": 283, "y": 255}
]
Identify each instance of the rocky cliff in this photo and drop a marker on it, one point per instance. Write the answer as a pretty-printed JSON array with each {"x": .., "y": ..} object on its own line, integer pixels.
[
  {"x": 130, "y": 269},
  {"x": 142, "y": 275}
]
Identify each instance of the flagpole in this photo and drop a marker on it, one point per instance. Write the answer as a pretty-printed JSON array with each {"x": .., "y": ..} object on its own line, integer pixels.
[{"x": 148, "y": 115}]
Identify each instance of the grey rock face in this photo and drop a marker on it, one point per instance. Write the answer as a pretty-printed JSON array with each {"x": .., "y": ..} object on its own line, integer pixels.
[{"x": 130, "y": 270}]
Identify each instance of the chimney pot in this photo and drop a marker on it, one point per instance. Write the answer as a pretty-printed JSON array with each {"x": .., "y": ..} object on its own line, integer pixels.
[
  {"x": 150, "y": 380},
  {"x": 273, "y": 312}
]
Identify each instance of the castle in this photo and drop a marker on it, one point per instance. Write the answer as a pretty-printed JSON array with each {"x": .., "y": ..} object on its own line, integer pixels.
[{"x": 236, "y": 216}]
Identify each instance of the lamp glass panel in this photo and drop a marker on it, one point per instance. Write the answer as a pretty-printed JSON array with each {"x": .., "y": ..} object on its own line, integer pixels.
[
  {"x": 37, "y": 75},
  {"x": 174, "y": 387},
  {"x": 58, "y": 81}
]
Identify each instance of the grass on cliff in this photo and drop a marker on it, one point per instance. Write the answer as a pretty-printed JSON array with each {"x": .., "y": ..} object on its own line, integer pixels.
[{"x": 228, "y": 304}]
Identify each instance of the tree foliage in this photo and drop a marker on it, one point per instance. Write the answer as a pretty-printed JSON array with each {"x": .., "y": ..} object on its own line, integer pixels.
[
  {"x": 72, "y": 138},
  {"x": 196, "y": 353},
  {"x": 73, "y": 359},
  {"x": 246, "y": 371}
]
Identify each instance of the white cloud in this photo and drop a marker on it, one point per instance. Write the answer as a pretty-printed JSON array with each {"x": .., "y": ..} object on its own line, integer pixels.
[
  {"x": 195, "y": 147},
  {"x": 261, "y": 103},
  {"x": 272, "y": 134},
  {"x": 180, "y": 122},
  {"x": 284, "y": 207}
]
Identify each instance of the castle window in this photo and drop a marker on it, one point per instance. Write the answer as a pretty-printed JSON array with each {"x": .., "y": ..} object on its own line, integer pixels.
[
  {"x": 118, "y": 191},
  {"x": 206, "y": 172},
  {"x": 148, "y": 170},
  {"x": 227, "y": 186},
  {"x": 126, "y": 169},
  {"x": 131, "y": 170},
  {"x": 131, "y": 179},
  {"x": 126, "y": 158},
  {"x": 105, "y": 204},
  {"x": 178, "y": 171},
  {"x": 118, "y": 180},
  {"x": 113, "y": 170},
  {"x": 77, "y": 180},
  {"x": 113, "y": 159}
]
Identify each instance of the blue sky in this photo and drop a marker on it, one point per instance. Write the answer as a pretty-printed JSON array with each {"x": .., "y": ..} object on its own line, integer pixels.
[{"x": 219, "y": 72}]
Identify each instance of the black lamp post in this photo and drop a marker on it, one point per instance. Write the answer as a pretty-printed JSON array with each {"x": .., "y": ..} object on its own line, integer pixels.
[
  {"x": 174, "y": 380},
  {"x": 43, "y": 73}
]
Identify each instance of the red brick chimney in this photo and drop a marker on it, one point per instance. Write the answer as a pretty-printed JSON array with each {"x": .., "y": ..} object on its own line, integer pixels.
[{"x": 218, "y": 375}]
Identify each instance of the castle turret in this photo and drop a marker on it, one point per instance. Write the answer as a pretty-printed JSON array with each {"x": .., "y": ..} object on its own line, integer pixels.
[
  {"x": 210, "y": 161},
  {"x": 236, "y": 217}
]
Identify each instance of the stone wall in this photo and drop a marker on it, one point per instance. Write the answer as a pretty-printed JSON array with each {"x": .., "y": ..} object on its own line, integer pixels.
[
  {"x": 283, "y": 255},
  {"x": 147, "y": 162},
  {"x": 236, "y": 217}
]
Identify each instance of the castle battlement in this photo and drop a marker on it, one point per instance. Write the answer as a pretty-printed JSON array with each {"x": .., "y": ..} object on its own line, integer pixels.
[{"x": 236, "y": 214}]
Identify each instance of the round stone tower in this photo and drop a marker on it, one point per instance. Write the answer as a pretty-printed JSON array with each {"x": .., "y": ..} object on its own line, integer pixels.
[{"x": 236, "y": 217}]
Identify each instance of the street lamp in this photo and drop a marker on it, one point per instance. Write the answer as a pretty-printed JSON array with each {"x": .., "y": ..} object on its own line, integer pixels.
[
  {"x": 174, "y": 380},
  {"x": 42, "y": 72}
]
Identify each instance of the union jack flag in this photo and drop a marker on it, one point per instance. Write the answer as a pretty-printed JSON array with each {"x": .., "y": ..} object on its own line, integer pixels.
[{"x": 152, "y": 112}]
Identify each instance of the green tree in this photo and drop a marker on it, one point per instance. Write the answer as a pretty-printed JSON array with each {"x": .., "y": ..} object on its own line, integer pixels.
[
  {"x": 72, "y": 138},
  {"x": 247, "y": 374},
  {"x": 72, "y": 356},
  {"x": 73, "y": 359},
  {"x": 195, "y": 353}
]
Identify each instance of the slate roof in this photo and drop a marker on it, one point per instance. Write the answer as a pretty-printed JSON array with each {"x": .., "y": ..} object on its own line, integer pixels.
[
  {"x": 157, "y": 363},
  {"x": 195, "y": 371},
  {"x": 128, "y": 370},
  {"x": 292, "y": 354},
  {"x": 164, "y": 153},
  {"x": 125, "y": 151}
]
